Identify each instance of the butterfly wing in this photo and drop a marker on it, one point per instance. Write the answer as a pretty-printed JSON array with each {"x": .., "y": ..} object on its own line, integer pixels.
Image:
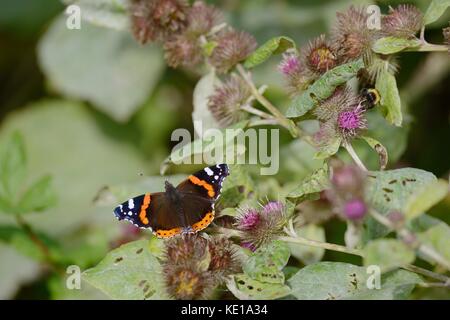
[
  {"x": 205, "y": 183},
  {"x": 199, "y": 193},
  {"x": 151, "y": 211}
]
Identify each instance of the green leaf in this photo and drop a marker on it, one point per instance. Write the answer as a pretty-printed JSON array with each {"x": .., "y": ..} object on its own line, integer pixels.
[
  {"x": 129, "y": 272},
  {"x": 105, "y": 13},
  {"x": 390, "y": 97},
  {"x": 12, "y": 166},
  {"x": 330, "y": 149},
  {"x": 21, "y": 241},
  {"x": 245, "y": 288},
  {"x": 435, "y": 11},
  {"x": 323, "y": 88},
  {"x": 201, "y": 115},
  {"x": 437, "y": 237},
  {"x": 388, "y": 254},
  {"x": 390, "y": 190},
  {"x": 271, "y": 47},
  {"x": 390, "y": 45},
  {"x": 426, "y": 197},
  {"x": 110, "y": 70},
  {"x": 337, "y": 280},
  {"x": 266, "y": 264},
  {"x": 85, "y": 159},
  {"x": 312, "y": 185},
  {"x": 307, "y": 254},
  {"x": 39, "y": 197},
  {"x": 380, "y": 149}
]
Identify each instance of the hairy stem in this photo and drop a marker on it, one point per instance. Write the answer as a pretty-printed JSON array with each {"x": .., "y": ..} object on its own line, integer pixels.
[
  {"x": 352, "y": 153},
  {"x": 285, "y": 122}
]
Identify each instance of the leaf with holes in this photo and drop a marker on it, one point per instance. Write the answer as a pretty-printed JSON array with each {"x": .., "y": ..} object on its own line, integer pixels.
[
  {"x": 311, "y": 185},
  {"x": 129, "y": 272},
  {"x": 245, "y": 288},
  {"x": 337, "y": 280},
  {"x": 323, "y": 88},
  {"x": 271, "y": 47},
  {"x": 266, "y": 264},
  {"x": 390, "y": 190},
  {"x": 380, "y": 149}
]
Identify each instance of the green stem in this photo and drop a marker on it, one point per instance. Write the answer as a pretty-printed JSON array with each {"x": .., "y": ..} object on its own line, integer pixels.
[
  {"x": 319, "y": 244},
  {"x": 428, "y": 47},
  {"x": 352, "y": 153},
  {"x": 285, "y": 122}
]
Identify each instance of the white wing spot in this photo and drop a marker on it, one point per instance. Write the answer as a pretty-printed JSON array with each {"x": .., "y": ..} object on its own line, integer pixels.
[
  {"x": 131, "y": 204},
  {"x": 216, "y": 177},
  {"x": 130, "y": 213},
  {"x": 209, "y": 172}
]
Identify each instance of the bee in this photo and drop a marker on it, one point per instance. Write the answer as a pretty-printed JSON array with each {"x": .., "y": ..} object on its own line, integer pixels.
[{"x": 371, "y": 97}]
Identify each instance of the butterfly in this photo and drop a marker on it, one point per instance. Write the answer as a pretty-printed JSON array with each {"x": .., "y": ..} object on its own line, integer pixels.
[{"x": 186, "y": 208}]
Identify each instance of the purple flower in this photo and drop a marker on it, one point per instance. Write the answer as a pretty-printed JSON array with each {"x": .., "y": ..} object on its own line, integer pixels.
[
  {"x": 355, "y": 209},
  {"x": 350, "y": 121},
  {"x": 290, "y": 64},
  {"x": 273, "y": 207},
  {"x": 249, "y": 220}
]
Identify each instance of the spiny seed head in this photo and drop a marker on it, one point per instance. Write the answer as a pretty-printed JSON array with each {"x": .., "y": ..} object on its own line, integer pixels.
[
  {"x": 186, "y": 284},
  {"x": 355, "y": 209},
  {"x": 223, "y": 258},
  {"x": 157, "y": 20},
  {"x": 319, "y": 56},
  {"x": 403, "y": 22},
  {"x": 351, "y": 36},
  {"x": 232, "y": 47},
  {"x": 182, "y": 50},
  {"x": 271, "y": 219},
  {"x": 188, "y": 249},
  {"x": 341, "y": 99},
  {"x": 226, "y": 101},
  {"x": 295, "y": 73},
  {"x": 202, "y": 18}
]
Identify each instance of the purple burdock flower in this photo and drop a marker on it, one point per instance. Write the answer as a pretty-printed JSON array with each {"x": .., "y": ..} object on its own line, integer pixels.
[
  {"x": 273, "y": 207},
  {"x": 248, "y": 220},
  {"x": 351, "y": 121},
  {"x": 355, "y": 209},
  {"x": 290, "y": 64}
]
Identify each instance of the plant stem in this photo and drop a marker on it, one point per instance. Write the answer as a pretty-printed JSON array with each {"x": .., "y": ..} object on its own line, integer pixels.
[
  {"x": 403, "y": 232},
  {"x": 285, "y": 122},
  {"x": 257, "y": 112},
  {"x": 428, "y": 47},
  {"x": 319, "y": 244},
  {"x": 35, "y": 238},
  {"x": 352, "y": 153},
  {"x": 427, "y": 273},
  {"x": 262, "y": 122}
]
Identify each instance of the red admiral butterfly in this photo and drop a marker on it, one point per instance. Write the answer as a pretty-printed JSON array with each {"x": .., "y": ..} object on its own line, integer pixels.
[{"x": 187, "y": 208}]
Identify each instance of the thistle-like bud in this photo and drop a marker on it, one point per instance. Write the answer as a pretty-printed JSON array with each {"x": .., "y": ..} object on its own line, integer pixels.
[
  {"x": 355, "y": 209},
  {"x": 351, "y": 36},
  {"x": 202, "y": 18},
  {"x": 342, "y": 99},
  {"x": 263, "y": 228},
  {"x": 226, "y": 101},
  {"x": 232, "y": 48},
  {"x": 294, "y": 72},
  {"x": 403, "y": 22},
  {"x": 347, "y": 191},
  {"x": 157, "y": 20},
  {"x": 319, "y": 56},
  {"x": 182, "y": 50},
  {"x": 194, "y": 266}
]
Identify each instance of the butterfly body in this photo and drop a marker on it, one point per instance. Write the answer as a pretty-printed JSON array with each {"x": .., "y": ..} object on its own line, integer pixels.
[{"x": 186, "y": 208}]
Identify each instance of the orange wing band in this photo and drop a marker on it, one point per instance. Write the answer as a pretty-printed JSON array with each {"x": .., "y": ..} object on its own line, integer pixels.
[
  {"x": 204, "y": 184},
  {"x": 143, "y": 213}
]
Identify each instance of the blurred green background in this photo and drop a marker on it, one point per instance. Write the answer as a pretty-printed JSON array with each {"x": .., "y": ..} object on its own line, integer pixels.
[{"x": 96, "y": 109}]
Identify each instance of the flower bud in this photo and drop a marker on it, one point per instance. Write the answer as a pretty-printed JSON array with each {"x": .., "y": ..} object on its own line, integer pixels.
[{"x": 355, "y": 209}]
